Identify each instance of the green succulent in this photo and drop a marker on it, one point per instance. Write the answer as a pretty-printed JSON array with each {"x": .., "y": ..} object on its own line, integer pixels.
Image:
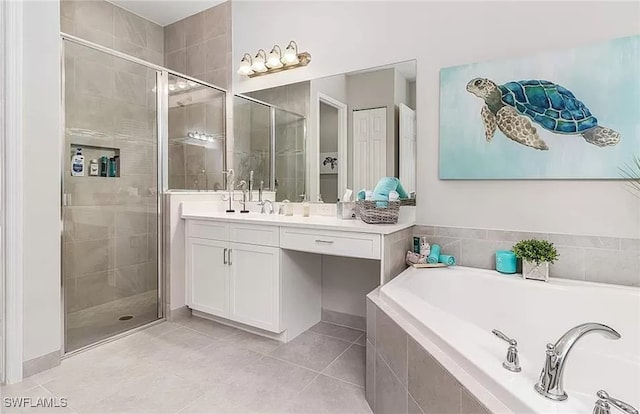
[{"x": 537, "y": 251}]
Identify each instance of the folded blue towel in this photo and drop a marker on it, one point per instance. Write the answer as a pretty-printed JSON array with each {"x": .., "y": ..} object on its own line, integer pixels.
[
  {"x": 384, "y": 187},
  {"x": 447, "y": 259},
  {"x": 434, "y": 255}
]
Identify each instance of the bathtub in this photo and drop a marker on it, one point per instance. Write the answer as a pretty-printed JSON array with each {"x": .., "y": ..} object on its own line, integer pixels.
[{"x": 455, "y": 309}]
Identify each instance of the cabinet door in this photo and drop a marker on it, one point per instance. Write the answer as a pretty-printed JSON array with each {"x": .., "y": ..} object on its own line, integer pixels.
[
  {"x": 207, "y": 276},
  {"x": 255, "y": 285}
]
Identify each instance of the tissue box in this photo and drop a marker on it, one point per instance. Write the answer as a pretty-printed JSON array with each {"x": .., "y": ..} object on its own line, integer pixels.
[{"x": 346, "y": 210}]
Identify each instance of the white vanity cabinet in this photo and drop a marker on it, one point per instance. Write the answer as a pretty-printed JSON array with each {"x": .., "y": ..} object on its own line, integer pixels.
[
  {"x": 208, "y": 276},
  {"x": 233, "y": 280},
  {"x": 254, "y": 285}
]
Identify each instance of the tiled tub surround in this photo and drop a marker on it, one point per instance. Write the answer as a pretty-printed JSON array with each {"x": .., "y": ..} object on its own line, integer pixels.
[
  {"x": 591, "y": 258},
  {"x": 429, "y": 342}
]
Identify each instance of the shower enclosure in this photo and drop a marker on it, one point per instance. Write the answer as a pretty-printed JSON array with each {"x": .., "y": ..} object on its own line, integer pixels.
[
  {"x": 270, "y": 141},
  {"x": 119, "y": 112}
]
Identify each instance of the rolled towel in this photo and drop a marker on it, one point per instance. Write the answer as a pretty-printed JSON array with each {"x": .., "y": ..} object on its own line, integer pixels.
[
  {"x": 434, "y": 255},
  {"x": 447, "y": 259}
]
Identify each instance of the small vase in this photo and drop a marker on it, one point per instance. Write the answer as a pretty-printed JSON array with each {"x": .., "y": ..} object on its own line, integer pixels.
[{"x": 533, "y": 271}]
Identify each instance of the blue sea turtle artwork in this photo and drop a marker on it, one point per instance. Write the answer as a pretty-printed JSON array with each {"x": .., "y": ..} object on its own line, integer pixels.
[{"x": 511, "y": 108}]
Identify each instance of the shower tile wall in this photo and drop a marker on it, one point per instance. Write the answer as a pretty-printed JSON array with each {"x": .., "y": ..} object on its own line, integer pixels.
[
  {"x": 199, "y": 46},
  {"x": 101, "y": 22},
  {"x": 110, "y": 227}
]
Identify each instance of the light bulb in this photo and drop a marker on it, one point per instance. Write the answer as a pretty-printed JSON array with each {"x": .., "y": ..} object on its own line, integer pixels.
[
  {"x": 245, "y": 65},
  {"x": 259, "y": 66},
  {"x": 182, "y": 84},
  {"x": 172, "y": 87},
  {"x": 290, "y": 54},
  {"x": 274, "y": 58},
  {"x": 191, "y": 84},
  {"x": 259, "y": 62}
]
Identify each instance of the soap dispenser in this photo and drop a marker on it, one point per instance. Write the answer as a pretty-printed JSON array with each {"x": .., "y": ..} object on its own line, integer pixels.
[{"x": 305, "y": 206}]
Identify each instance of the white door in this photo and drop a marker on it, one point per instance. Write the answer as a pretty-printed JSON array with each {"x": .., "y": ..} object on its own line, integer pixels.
[
  {"x": 255, "y": 285},
  {"x": 207, "y": 276},
  {"x": 407, "y": 148},
  {"x": 369, "y": 147}
]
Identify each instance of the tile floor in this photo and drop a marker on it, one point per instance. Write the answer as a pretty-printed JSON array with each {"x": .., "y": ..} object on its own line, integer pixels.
[{"x": 199, "y": 366}]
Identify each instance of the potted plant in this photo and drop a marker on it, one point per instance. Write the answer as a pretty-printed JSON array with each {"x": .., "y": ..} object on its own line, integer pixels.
[{"x": 536, "y": 256}]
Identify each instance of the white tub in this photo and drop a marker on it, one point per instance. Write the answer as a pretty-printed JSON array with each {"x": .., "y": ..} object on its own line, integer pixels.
[{"x": 456, "y": 308}]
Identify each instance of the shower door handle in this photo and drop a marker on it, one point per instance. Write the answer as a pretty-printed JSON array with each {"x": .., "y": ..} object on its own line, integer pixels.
[{"x": 224, "y": 256}]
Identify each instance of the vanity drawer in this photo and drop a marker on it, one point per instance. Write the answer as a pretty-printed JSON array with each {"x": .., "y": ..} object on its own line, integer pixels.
[
  {"x": 254, "y": 234},
  {"x": 337, "y": 243},
  {"x": 213, "y": 230}
]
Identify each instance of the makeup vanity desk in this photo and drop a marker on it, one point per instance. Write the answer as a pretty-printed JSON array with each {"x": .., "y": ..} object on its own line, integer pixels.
[{"x": 262, "y": 272}]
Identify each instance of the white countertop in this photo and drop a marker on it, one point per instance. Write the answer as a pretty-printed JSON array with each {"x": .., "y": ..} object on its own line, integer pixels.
[{"x": 200, "y": 211}]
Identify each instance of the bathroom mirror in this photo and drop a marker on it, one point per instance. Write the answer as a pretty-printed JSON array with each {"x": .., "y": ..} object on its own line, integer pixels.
[{"x": 360, "y": 126}]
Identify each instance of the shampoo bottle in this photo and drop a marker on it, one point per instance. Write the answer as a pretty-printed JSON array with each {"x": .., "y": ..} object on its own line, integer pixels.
[{"x": 77, "y": 164}]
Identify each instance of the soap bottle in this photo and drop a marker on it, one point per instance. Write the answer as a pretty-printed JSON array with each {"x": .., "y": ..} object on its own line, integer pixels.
[
  {"x": 305, "y": 206},
  {"x": 77, "y": 164}
]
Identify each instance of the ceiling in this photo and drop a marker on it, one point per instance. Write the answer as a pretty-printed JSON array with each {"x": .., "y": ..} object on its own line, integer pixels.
[{"x": 165, "y": 12}]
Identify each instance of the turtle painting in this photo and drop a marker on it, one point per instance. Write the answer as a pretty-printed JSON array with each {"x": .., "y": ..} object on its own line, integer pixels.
[{"x": 511, "y": 108}]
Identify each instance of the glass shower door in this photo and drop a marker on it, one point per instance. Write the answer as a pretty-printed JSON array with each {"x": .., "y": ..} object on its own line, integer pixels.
[{"x": 110, "y": 205}]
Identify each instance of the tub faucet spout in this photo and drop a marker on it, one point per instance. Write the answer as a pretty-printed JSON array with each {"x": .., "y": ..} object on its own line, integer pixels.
[{"x": 550, "y": 383}]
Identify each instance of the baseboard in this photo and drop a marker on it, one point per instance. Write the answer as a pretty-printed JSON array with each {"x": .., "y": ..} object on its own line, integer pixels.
[
  {"x": 282, "y": 337},
  {"x": 41, "y": 363},
  {"x": 344, "y": 319},
  {"x": 178, "y": 313}
]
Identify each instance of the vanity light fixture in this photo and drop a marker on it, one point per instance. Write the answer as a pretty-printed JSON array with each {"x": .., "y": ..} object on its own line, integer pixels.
[
  {"x": 275, "y": 61},
  {"x": 245, "y": 65},
  {"x": 260, "y": 62}
]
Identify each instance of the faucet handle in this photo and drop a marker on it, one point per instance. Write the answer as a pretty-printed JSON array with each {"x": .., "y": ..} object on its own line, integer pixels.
[
  {"x": 505, "y": 338},
  {"x": 602, "y": 404},
  {"x": 511, "y": 362}
]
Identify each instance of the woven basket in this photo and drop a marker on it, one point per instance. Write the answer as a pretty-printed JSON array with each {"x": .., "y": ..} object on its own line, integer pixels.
[{"x": 369, "y": 212}]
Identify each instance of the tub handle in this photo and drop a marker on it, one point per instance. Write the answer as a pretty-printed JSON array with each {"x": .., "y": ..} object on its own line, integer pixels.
[
  {"x": 602, "y": 405},
  {"x": 511, "y": 362}
]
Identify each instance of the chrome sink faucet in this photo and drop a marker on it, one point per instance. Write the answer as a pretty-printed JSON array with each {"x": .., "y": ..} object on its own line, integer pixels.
[
  {"x": 266, "y": 202},
  {"x": 550, "y": 383}
]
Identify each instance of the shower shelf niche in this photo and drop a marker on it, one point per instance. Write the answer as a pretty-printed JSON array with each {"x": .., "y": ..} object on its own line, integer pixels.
[{"x": 91, "y": 152}]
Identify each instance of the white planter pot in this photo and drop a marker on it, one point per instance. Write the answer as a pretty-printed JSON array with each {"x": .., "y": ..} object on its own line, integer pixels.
[{"x": 533, "y": 271}]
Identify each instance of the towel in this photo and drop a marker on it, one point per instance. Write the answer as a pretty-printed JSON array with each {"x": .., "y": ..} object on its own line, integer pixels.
[
  {"x": 447, "y": 259},
  {"x": 387, "y": 185},
  {"x": 434, "y": 255}
]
